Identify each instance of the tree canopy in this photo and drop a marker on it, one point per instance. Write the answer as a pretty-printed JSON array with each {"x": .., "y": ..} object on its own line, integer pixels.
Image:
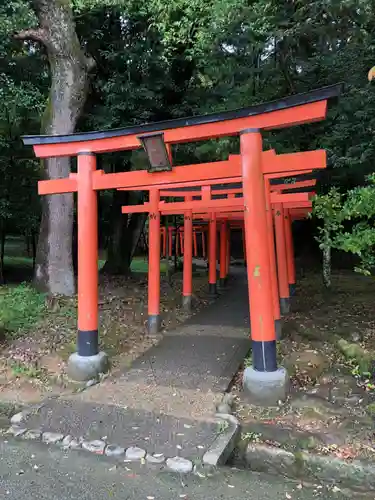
[{"x": 157, "y": 60}]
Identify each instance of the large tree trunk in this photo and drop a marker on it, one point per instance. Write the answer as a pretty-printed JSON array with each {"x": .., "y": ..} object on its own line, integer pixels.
[
  {"x": 116, "y": 260},
  {"x": 124, "y": 238},
  {"x": 69, "y": 76}
]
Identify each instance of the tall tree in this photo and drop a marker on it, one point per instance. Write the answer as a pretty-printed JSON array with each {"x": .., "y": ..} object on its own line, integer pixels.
[{"x": 69, "y": 67}]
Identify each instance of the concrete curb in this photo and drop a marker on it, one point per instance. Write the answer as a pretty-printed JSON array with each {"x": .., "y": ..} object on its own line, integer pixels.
[
  {"x": 224, "y": 444},
  {"x": 357, "y": 475}
]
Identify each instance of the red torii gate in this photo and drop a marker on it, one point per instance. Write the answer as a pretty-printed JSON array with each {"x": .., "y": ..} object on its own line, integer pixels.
[
  {"x": 190, "y": 208},
  {"x": 274, "y": 165},
  {"x": 283, "y": 235},
  {"x": 264, "y": 379}
]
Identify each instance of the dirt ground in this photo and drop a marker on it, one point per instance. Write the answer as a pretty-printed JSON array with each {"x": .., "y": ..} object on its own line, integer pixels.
[
  {"x": 329, "y": 351},
  {"x": 33, "y": 365}
]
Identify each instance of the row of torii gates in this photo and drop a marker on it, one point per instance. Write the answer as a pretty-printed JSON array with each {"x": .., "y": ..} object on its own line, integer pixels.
[
  {"x": 245, "y": 189},
  {"x": 220, "y": 206}
]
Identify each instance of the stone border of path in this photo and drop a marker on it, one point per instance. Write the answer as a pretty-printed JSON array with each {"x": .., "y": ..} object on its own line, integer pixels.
[
  {"x": 218, "y": 453},
  {"x": 357, "y": 475}
]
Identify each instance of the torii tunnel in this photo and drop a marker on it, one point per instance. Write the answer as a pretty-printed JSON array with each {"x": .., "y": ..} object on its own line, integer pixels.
[{"x": 265, "y": 209}]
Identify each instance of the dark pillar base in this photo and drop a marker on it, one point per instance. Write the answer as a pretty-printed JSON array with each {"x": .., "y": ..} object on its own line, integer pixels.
[
  {"x": 212, "y": 290},
  {"x": 87, "y": 342},
  {"x": 278, "y": 329},
  {"x": 223, "y": 282},
  {"x": 284, "y": 306},
  {"x": 186, "y": 303},
  {"x": 153, "y": 324},
  {"x": 264, "y": 356},
  {"x": 292, "y": 289}
]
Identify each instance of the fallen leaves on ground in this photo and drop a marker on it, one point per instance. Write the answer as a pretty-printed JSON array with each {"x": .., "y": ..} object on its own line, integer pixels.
[
  {"x": 38, "y": 357},
  {"x": 318, "y": 319}
]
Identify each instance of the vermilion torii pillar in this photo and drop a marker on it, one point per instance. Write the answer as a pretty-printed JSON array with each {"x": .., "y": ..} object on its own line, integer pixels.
[
  {"x": 187, "y": 279},
  {"x": 228, "y": 253},
  {"x": 264, "y": 380},
  {"x": 87, "y": 260},
  {"x": 87, "y": 359},
  {"x": 223, "y": 253},
  {"x": 212, "y": 255},
  {"x": 290, "y": 253},
  {"x": 154, "y": 263},
  {"x": 282, "y": 269}
]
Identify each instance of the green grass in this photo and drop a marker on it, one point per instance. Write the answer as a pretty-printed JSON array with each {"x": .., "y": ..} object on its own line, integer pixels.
[
  {"x": 138, "y": 265},
  {"x": 17, "y": 261},
  {"x": 20, "y": 307},
  {"x": 15, "y": 257}
]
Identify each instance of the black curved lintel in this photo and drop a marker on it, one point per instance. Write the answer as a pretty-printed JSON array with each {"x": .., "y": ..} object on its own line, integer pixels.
[{"x": 321, "y": 94}]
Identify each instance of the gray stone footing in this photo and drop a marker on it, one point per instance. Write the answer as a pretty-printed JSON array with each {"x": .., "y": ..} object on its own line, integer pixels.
[
  {"x": 265, "y": 388},
  {"x": 81, "y": 368},
  {"x": 284, "y": 306},
  {"x": 186, "y": 303},
  {"x": 154, "y": 324}
]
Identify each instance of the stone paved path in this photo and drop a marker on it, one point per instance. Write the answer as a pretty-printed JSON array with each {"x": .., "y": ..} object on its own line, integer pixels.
[
  {"x": 206, "y": 352},
  {"x": 186, "y": 373},
  {"x": 166, "y": 401}
]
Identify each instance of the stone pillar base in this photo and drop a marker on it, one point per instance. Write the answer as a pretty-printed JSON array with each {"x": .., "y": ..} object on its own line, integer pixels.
[
  {"x": 265, "y": 388},
  {"x": 153, "y": 324},
  {"x": 284, "y": 306},
  {"x": 81, "y": 368},
  {"x": 212, "y": 290}
]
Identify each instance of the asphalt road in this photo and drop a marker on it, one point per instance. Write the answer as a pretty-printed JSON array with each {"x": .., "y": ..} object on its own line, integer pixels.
[{"x": 33, "y": 471}]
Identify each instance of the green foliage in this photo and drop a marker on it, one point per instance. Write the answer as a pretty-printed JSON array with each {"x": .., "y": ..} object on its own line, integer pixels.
[
  {"x": 20, "y": 308},
  {"x": 158, "y": 60},
  {"x": 22, "y": 92},
  {"x": 327, "y": 208},
  {"x": 348, "y": 222}
]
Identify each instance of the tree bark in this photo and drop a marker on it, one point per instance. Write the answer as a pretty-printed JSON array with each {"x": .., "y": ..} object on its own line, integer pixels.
[
  {"x": 2, "y": 252},
  {"x": 327, "y": 266},
  {"x": 124, "y": 238},
  {"x": 135, "y": 228},
  {"x": 116, "y": 263},
  {"x": 33, "y": 246},
  {"x": 69, "y": 69}
]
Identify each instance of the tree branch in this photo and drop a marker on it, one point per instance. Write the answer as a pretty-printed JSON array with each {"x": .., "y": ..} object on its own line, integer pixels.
[{"x": 37, "y": 35}]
